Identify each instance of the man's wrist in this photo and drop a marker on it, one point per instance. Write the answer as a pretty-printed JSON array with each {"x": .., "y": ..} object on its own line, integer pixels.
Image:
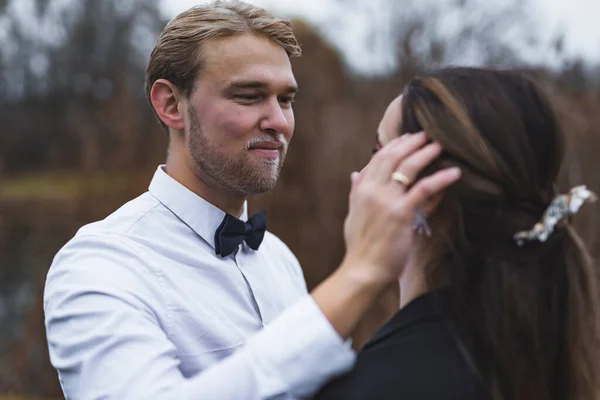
[
  {"x": 364, "y": 275},
  {"x": 348, "y": 294}
]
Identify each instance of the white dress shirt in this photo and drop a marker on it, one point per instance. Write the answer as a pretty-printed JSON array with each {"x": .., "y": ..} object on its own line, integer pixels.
[{"x": 139, "y": 306}]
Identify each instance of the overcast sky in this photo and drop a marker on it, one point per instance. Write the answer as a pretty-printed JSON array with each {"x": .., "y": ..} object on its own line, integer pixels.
[{"x": 577, "y": 19}]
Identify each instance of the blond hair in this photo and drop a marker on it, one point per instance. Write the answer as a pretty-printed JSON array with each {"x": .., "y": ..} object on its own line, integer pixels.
[{"x": 177, "y": 56}]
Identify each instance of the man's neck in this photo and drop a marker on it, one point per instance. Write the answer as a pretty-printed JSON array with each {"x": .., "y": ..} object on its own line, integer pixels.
[{"x": 178, "y": 169}]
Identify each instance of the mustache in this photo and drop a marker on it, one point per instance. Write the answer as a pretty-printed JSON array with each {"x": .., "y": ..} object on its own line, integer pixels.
[{"x": 279, "y": 138}]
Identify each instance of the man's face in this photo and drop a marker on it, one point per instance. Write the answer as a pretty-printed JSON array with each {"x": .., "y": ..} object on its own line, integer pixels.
[{"x": 240, "y": 118}]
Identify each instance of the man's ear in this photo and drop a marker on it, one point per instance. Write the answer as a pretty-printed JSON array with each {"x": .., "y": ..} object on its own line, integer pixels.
[{"x": 167, "y": 101}]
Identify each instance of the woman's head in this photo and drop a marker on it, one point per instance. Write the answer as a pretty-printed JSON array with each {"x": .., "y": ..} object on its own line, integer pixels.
[
  {"x": 499, "y": 128},
  {"x": 522, "y": 306}
]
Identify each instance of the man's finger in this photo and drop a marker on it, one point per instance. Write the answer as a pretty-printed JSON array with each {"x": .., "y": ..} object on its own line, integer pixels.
[
  {"x": 387, "y": 159},
  {"x": 429, "y": 186},
  {"x": 412, "y": 165}
]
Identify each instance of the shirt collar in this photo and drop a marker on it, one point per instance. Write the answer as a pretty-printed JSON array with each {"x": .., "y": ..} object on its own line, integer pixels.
[{"x": 200, "y": 215}]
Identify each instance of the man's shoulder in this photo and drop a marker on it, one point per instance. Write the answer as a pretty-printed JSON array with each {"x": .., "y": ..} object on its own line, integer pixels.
[
  {"x": 105, "y": 256},
  {"x": 106, "y": 245},
  {"x": 124, "y": 218}
]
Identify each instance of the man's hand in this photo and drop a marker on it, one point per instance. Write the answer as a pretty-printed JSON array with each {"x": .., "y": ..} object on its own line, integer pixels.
[{"x": 379, "y": 228}]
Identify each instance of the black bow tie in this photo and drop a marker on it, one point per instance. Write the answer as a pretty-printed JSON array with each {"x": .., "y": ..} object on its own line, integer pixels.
[{"x": 232, "y": 231}]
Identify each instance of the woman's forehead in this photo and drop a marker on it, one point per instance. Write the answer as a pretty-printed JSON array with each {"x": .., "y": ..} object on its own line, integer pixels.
[{"x": 389, "y": 127}]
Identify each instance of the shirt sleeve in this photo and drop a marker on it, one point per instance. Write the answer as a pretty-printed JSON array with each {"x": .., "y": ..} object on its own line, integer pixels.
[{"x": 106, "y": 341}]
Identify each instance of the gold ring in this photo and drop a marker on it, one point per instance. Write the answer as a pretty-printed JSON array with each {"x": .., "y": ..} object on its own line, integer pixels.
[{"x": 401, "y": 178}]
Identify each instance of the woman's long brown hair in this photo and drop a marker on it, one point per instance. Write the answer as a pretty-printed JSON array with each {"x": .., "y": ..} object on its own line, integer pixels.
[{"x": 528, "y": 316}]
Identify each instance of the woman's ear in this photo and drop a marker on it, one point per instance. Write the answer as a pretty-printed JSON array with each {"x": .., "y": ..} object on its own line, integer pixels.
[{"x": 432, "y": 203}]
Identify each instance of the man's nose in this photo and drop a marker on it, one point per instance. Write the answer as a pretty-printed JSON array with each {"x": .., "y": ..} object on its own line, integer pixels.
[{"x": 275, "y": 119}]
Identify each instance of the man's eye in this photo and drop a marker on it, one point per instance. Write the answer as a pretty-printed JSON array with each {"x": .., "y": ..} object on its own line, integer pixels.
[
  {"x": 247, "y": 97},
  {"x": 286, "y": 100}
]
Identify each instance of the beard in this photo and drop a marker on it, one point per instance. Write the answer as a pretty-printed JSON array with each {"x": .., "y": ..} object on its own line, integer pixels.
[{"x": 244, "y": 175}]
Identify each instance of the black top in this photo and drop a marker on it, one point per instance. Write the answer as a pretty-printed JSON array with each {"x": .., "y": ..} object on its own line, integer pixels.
[{"x": 413, "y": 356}]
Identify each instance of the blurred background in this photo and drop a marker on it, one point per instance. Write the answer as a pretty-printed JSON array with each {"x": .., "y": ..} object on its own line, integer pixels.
[{"x": 78, "y": 139}]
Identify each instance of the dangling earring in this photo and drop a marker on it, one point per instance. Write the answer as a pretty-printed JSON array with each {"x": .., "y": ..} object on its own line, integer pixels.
[{"x": 420, "y": 224}]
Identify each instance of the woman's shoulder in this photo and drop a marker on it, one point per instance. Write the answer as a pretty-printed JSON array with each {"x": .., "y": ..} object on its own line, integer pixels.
[{"x": 413, "y": 356}]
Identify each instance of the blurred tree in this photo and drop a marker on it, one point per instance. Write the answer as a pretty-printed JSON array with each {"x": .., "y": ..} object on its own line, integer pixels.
[
  {"x": 428, "y": 34},
  {"x": 97, "y": 54}
]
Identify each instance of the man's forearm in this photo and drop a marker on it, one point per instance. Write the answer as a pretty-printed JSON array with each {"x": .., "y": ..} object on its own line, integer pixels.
[
  {"x": 292, "y": 357},
  {"x": 346, "y": 296}
]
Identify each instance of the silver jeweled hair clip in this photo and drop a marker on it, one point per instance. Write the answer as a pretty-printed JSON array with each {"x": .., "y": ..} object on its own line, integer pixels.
[{"x": 560, "y": 209}]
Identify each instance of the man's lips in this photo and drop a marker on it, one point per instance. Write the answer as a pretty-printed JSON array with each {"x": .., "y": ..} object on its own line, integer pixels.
[
  {"x": 268, "y": 150},
  {"x": 266, "y": 146}
]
